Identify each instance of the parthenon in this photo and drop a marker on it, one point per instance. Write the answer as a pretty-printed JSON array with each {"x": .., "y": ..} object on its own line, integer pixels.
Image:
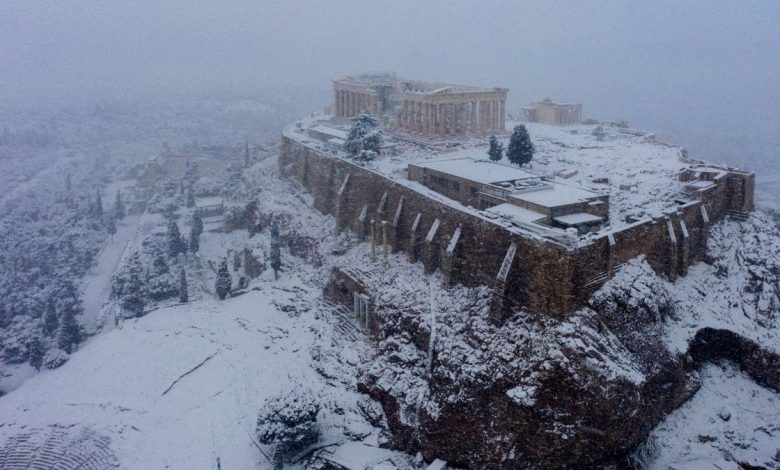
[{"x": 427, "y": 109}]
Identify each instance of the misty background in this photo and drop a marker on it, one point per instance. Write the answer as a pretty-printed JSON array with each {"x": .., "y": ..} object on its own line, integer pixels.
[{"x": 701, "y": 74}]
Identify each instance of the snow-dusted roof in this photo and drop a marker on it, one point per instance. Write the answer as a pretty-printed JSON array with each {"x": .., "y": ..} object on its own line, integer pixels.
[
  {"x": 516, "y": 212},
  {"x": 331, "y": 131},
  {"x": 577, "y": 219},
  {"x": 481, "y": 171},
  {"x": 554, "y": 195}
]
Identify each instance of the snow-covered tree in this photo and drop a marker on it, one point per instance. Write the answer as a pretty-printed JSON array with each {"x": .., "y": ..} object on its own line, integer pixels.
[
  {"x": 119, "y": 207},
  {"x": 288, "y": 422},
  {"x": 70, "y": 332},
  {"x": 520, "y": 150},
  {"x": 365, "y": 137},
  {"x": 224, "y": 282},
  {"x": 183, "y": 297},
  {"x": 197, "y": 223},
  {"x": 132, "y": 288},
  {"x": 496, "y": 150},
  {"x": 35, "y": 352},
  {"x": 159, "y": 265},
  {"x": 111, "y": 225},
  {"x": 50, "y": 320},
  {"x": 276, "y": 258},
  {"x": 190, "y": 197},
  {"x": 98, "y": 206},
  {"x": 175, "y": 242},
  {"x": 194, "y": 241}
]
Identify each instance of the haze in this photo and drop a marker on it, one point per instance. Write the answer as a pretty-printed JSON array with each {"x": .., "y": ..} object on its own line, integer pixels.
[{"x": 702, "y": 72}]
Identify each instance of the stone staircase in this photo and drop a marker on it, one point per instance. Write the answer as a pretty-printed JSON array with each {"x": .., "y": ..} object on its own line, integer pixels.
[{"x": 342, "y": 320}]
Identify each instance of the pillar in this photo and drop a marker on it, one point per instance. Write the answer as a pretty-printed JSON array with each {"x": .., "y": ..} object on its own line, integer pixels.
[
  {"x": 473, "y": 123},
  {"x": 335, "y": 103},
  {"x": 384, "y": 240},
  {"x": 373, "y": 239},
  {"x": 483, "y": 116},
  {"x": 431, "y": 119},
  {"x": 464, "y": 115},
  {"x": 502, "y": 115}
]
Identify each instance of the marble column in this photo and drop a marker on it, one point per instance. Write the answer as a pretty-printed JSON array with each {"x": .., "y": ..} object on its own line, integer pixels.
[
  {"x": 473, "y": 118},
  {"x": 464, "y": 116},
  {"x": 502, "y": 115}
]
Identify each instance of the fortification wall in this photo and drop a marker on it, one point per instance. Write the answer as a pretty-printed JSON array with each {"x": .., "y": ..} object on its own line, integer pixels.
[
  {"x": 538, "y": 276},
  {"x": 542, "y": 276}
]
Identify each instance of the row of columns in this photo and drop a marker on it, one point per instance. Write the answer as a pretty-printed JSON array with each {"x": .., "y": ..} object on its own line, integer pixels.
[
  {"x": 454, "y": 118},
  {"x": 349, "y": 103}
]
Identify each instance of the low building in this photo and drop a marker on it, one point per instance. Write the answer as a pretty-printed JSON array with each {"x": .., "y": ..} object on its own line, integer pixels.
[
  {"x": 549, "y": 112},
  {"x": 513, "y": 193}
]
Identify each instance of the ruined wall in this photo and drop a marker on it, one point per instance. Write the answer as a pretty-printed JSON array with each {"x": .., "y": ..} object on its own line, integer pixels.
[{"x": 540, "y": 275}]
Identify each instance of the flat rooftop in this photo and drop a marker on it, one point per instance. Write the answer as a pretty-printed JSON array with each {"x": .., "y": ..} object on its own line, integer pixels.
[
  {"x": 481, "y": 171},
  {"x": 555, "y": 194}
]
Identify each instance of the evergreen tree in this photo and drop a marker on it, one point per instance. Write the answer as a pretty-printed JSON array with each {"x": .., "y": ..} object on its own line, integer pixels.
[
  {"x": 50, "y": 320},
  {"x": 276, "y": 259},
  {"x": 289, "y": 423},
  {"x": 159, "y": 264},
  {"x": 224, "y": 283},
  {"x": 119, "y": 207},
  {"x": 496, "y": 150},
  {"x": 365, "y": 137},
  {"x": 183, "y": 297},
  {"x": 70, "y": 333},
  {"x": 36, "y": 352},
  {"x": 175, "y": 242},
  {"x": 190, "y": 197},
  {"x": 134, "y": 295},
  {"x": 197, "y": 223},
  {"x": 520, "y": 150},
  {"x": 111, "y": 226},
  {"x": 194, "y": 241},
  {"x": 98, "y": 206}
]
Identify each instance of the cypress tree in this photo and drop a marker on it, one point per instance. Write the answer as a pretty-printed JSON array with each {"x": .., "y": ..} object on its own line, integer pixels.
[
  {"x": 36, "y": 352},
  {"x": 119, "y": 207},
  {"x": 183, "y": 297},
  {"x": 133, "y": 300},
  {"x": 50, "y": 320},
  {"x": 223, "y": 283},
  {"x": 520, "y": 150},
  {"x": 175, "y": 242},
  {"x": 276, "y": 259},
  {"x": 496, "y": 150},
  {"x": 70, "y": 333},
  {"x": 190, "y": 197},
  {"x": 98, "y": 206},
  {"x": 194, "y": 241},
  {"x": 197, "y": 223},
  {"x": 111, "y": 226}
]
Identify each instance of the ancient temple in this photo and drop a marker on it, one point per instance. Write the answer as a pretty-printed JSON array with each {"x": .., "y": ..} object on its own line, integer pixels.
[{"x": 422, "y": 108}]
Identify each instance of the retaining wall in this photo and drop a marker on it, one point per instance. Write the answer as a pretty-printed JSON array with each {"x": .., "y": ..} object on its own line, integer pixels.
[{"x": 541, "y": 276}]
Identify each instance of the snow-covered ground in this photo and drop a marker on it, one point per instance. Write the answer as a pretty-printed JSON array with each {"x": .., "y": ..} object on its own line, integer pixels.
[
  {"x": 730, "y": 418},
  {"x": 181, "y": 387}
]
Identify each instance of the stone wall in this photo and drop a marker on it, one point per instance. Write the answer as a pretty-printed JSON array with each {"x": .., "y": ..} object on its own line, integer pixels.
[
  {"x": 539, "y": 276},
  {"x": 542, "y": 276}
]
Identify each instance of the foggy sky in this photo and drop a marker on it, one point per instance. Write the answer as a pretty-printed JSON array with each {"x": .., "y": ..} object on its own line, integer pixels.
[{"x": 661, "y": 64}]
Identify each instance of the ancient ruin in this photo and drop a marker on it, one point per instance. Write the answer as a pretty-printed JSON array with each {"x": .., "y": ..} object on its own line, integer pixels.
[
  {"x": 542, "y": 243},
  {"x": 433, "y": 110},
  {"x": 549, "y": 112}
]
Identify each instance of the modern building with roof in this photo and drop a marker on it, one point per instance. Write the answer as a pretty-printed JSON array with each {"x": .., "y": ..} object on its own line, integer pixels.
[{"x": 513, "y": 193}]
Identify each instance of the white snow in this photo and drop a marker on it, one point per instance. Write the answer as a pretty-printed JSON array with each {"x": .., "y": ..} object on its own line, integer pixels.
[{"x": 730, "y": 418}]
